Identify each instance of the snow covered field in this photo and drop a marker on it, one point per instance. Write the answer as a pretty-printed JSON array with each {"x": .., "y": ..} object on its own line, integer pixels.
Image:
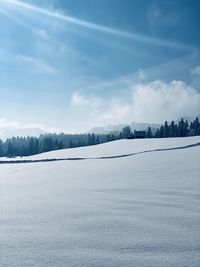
[
  {"x": 141, "y": 210},
  {"x": 112, "y": 149}
]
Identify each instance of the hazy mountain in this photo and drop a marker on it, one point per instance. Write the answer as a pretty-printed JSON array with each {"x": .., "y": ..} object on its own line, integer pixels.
[
  {"x": 118, "y": 128},
  {"x": 188, "y": 118},
  {"x": 7, "y": 132},
  {"x": 135, "y": 126}
]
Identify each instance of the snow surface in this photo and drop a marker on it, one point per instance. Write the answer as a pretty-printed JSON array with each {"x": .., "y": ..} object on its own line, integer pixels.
[
  {"x": 116, "y": 148},
  {"x": 142, "y": 210}
]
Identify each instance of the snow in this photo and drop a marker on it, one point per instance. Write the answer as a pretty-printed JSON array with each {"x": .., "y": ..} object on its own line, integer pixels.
[
  {"x": 116, "y": 148},
  {"x": 140, "y": 210}
]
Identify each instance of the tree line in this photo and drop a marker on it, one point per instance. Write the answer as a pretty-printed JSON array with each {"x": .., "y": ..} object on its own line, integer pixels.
[
  {"x": 172, "y": 129},
  {"x": 181, "y": 129},
  {"x": 26, "y": 146}
]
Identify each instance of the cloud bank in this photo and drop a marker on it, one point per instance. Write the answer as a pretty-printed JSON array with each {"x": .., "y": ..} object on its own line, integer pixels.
[
  {"x": 145, "y": 102},
  {"x": 14, "y": 128},
  {"x": 152, "y": 102}
]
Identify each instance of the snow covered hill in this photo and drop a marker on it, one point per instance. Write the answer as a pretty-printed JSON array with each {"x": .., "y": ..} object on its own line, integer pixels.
[
  {"x": 116, "y": 148},
  {"x": 140, "y": 210}
]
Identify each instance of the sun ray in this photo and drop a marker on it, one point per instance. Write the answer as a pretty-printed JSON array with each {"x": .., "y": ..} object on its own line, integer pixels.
[{"x": 101, "y": 28}]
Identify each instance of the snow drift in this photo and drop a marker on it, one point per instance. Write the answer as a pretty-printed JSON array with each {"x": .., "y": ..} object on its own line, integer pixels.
[{"x": 140, "y": 210}]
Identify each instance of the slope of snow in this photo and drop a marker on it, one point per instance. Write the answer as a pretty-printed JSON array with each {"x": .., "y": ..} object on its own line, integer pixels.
[
  {"x": 131, "y": 211},
  {"x": 115, "y": 148},
  {"x": 119, "y": 147}
]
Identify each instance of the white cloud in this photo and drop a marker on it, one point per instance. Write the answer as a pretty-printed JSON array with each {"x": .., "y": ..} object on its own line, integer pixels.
[
  {"x": 89, "y": 102},
  {"x": 15, "y": 124},
  {"x": 144, "y": 102},
  {"x": 5, "y": 124},
  {"x": 158, "y": 101},
  {"x": 150, "y": 102},
  {"x": 15, "y": 128}
]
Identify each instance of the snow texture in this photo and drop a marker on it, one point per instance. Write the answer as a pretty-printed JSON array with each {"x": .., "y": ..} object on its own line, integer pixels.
[{"x": 140, "y": 210}]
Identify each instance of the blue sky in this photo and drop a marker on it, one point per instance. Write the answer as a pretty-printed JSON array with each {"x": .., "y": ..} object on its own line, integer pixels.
[{"x": 71, "y": 65}]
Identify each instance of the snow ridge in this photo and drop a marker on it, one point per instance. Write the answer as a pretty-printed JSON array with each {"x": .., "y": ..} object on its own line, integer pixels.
[{"x": 104, "y": 157}]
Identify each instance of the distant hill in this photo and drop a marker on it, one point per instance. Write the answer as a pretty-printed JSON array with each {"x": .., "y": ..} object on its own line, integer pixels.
[
  {"x": 188, "y": 118},
  {"x": 8, "y": 132},
  {"x": 117, "y": 128}
]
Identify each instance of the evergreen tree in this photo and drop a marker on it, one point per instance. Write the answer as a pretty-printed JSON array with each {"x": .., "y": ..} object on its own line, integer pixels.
[
  {"x": 112, "y": 137},
  {"x": 89, "y": 140},
  {"x": 166, "y": 130},
  {"x": 31, "y": 149},
  {"x": 93, "y": 139},
  {"x": 198, "y": 130},
  {"x": 185, "y": 129},
  {"x": 126, "y": 132},
  {"x": 191, "y": 129},
  {"x": 97, "y": 140},
  {"x": 36, "y": 146},
  {"x": 47, "y": 144},
  {"x": 181, "y": 128},
  {"x": 161, "y": 131},
  {"x": 71, "y": 144},
  {"x": 172, "y": 131},
  {"x": 157, "y": 134},
  {"x": 10, "y": 151},
  {"x": 60, "y": 145},
  {"x": 1, "y": 148},
  {"x": 196, "y": 125},
  {"x": 108, "y": 139},
  {"x": 149, "y": 133}
]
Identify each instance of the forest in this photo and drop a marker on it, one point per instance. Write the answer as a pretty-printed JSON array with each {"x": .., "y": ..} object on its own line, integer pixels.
[{"x": 26, "y": 146}]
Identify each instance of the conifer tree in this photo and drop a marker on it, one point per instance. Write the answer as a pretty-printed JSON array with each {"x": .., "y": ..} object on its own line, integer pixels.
[
  {"x": 149, "y": 133},
  {"x": 126, "y": 132},
  {"x": 166, "y": 130},
  {"x": 1, "y": 148}
]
